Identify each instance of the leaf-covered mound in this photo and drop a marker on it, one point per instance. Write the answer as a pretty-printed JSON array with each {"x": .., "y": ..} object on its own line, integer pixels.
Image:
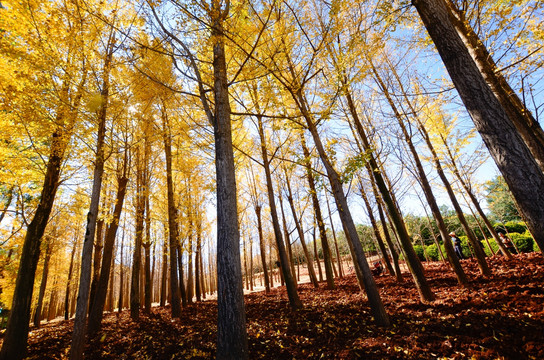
[{"x": 497, "y": 318}]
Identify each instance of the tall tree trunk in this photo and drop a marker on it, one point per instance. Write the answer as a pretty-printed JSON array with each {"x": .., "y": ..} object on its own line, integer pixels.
[
  {"x": 338, "y": 255},
  {"x": 327, "y": 257},
  {"x": 376, "y": 304},
  {"x": 148, "y": 290},
  {"x": 97, "y": 306},
  {"x": 516, "y": 163},
  {"x": 376, "y": 229},
  {"x": 294, "y": 299},
  {"x": 121, "y": 276},
  {"x": 468, "y": 190},
  {"x": 182, "y": 289},
  {"x": 135, "y": 281},
  {"x": 16, "y": 335},
  {"x": 231, "y": 319},
  {"x": 111, "y": 287},
  {"x": 386, "y": 234},
  {"x": 173, "y": 231},
  {"x": 43, "y": 285},
  {"x": 97, "y": 257},
  {"x": 53, "y": 303},
  {"x": 416, "y": 269},
  {"x": 527, "y": 126},
  {"x": 68, "y": 282},
  {"x": 316, "y": 253},
  {"x": 286, "y": 236},
  {"x": 262, "y": 247},
  {"x": 300, "y": 231},
  {"x": 80, "y": 322},
  {"x": 421, "y": 175},
  {"x": 164, "y": 267},
  {"x": 480, "y": 255},
  {"x": 198, "y": 273}
]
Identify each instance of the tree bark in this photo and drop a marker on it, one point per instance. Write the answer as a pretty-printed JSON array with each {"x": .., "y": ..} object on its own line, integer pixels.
[
  {"x": 527, "y": 126},
  {"x": 135, "y": 282},
  {"x": 416, "y": 269},
  {"x": 97, "y": 307},
  {"x": 173, "y": 232},
  {"x": 80, "y": 322},
  {"x": 43, "y": 285},
  {"x": 422, "y": 176},
  {"x": 262, "y": 248},
  {"x": 294, "y": 299},
  {"x": 68, "y": 282},
  {"x": 231, "y": 319},
  {"x": 377, "y": 234},
  {"x": 480, "y": 255},
  {"x": 376, "y": 305},
  {"x": 300, "y": 231},
  {"x": 327, "y": 257},
  {"x": 148, "y": 289},
  {"x": 338, "y": 255},
  {"x": 516, "y": 163},
  {"x": 16, "y": 335},
  {"x": 121, "y": 277},
  {"x": 468, "y": 190}
]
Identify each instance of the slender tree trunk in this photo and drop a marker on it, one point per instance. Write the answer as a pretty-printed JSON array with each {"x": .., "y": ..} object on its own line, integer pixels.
[
  {"x": 300, "y": 231},
  {"x": 294, "y": 299},
  {"x": 121, "y": 276},
  {"x": 376, "y": 304},
  {"x": 316, "y": 253},
  {"x": 516, "y": 163},
  {"x": 422, "y": 177},
  {"x": 173, "y": 232},
  {"x": 327, "y": 257},
  {"x": 377, "y": 234},
  {"x": 16, "y": 335},
  {"x": 198, "y": 273},
  {"x": 111, "y": 288},
  {"x": 97, "y": 306},
  {"x": 97, "y": 257},
  {"x": 262, "y": 247},
  {"x": 480, "y": 255},
  {"x": 182, "y": 288},
  {"x": 43, "y": 285},
  {"x": 287, "y": 237},
  {"x": 190, "y": 252},
  {"x": 386, "y": 234},
  {"x": 135, "y": 299},
  {"x": 148, "y": 289},
  {"x": 416, "y": 269},
  {"x": 70, "y": 271},
  {"x": 164, "y": 266},
  {"x": 338, "y": 255},
  {"x": 80, "y": 322},
  {"x": 472, "y": 197}
]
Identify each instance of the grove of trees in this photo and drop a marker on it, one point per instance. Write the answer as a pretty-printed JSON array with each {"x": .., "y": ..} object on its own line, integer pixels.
[{"x": 163, "y": 152}]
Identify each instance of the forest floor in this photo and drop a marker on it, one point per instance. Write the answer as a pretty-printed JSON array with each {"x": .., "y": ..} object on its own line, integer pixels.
[{"x": 501, "y": 317}]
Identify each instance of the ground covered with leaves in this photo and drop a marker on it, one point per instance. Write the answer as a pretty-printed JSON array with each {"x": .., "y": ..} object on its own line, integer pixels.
[{"x": 495, "y": 318}]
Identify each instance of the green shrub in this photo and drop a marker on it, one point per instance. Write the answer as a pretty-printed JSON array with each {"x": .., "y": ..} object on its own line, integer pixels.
[
  {"x": 524, "y": 242},
  {"x": 494, "y": 246},
  {"x": 419, "y": 251},
  {"x": 467, "y": 252},
  {"x": 432, "y": 251},
  {"x": 511, "y": 226}
]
